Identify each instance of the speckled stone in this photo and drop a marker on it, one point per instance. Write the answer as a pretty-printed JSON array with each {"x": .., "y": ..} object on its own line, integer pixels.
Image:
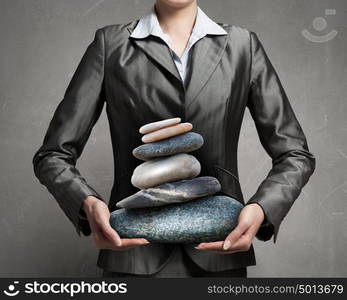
[
  {"x": 166, "y": 132},
  {"x": 185, "y": 142},
  {"x": 166, "y": 169},
  {"x": 205, "y": 219},
  {"x": 158, "y": 125},
  {"x": 172, "y": 192}
]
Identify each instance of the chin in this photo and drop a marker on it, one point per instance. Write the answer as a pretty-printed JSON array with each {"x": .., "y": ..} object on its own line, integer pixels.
[{"x": 177, "y": 3}]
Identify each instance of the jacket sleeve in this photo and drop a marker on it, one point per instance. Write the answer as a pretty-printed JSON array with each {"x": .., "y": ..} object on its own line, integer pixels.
[
  {"x": 282, "y": 138},
  {"x": 54, "y": 162}
]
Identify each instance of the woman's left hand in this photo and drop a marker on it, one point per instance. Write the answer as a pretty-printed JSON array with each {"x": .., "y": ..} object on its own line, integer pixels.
[{"x": 240, "y": 239}]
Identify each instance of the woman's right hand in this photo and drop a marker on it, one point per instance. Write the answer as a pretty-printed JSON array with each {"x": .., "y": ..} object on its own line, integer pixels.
[{"x": 105, "y": 237}]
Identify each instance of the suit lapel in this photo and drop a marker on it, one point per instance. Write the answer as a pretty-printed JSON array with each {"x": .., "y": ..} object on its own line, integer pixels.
[
  {"x": 206, "y": 54},
  {"x": 157, "y": 50}
]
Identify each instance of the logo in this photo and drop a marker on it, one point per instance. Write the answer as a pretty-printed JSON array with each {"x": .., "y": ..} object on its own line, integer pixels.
[
  {"x": 68, "y": 288},
  {"x": 12, "y": 290},
  {"x": 320, "y": 24}
]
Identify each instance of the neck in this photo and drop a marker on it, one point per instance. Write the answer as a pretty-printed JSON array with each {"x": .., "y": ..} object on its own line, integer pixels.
[{"x": 176, "y": 20}]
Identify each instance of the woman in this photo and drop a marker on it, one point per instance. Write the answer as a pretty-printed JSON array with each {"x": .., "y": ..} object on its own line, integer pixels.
[{"x": 176, "y": 62}]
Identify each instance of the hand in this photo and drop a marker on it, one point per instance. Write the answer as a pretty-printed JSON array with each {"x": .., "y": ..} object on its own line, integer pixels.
[
  {"x": 240, "y": 239},
  {"x": 105, "y": 237}
]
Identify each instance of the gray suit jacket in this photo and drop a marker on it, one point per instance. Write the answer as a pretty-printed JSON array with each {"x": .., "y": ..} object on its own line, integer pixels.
[{"x": 139, "y": 83}]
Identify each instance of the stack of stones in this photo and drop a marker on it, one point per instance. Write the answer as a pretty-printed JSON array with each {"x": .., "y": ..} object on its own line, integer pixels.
[
  {"x": 173, "y": 204},
  {"x": 168, "y": 174}
]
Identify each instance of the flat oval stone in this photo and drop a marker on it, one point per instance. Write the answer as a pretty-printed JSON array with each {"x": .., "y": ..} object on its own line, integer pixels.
[
  {"x": 159, "y": 124},
  {"x": 205, "y": 219},
  {"x": 166, "y": 132},
  {"x": 172, "y": 192},
  {"x": 165, "y": 169},
  {"x": 185, "y": 142}
]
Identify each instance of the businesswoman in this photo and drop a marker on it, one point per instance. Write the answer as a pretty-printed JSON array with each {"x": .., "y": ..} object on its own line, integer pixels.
[{"x": 175, "y": 62}]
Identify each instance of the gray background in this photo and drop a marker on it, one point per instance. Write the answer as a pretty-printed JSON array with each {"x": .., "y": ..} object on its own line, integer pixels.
[{"x": 42, "y": 42}]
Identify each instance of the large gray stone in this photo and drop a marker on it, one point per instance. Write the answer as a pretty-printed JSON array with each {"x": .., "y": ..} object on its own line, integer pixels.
[
  {"x": 205, "y": 219},
  {"x": 185, "y": 142},
  {"x": 160, "y": 170},
  {"x": 172, "y": 192}
]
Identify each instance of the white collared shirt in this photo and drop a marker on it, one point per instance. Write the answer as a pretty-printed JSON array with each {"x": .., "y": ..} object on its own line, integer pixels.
[{"x": 149, "y": 25}]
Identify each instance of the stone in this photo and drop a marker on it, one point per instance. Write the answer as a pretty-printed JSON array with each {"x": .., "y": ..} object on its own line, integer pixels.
[
  {"x": 185, "y": 142},
  {"x": 158, "y": 125},
  {"x": 165, "y": 169},
  {"x": 206, "y": 219},
  {"x": 166, "y": 132},
  {"x": 172, "y": 192}
]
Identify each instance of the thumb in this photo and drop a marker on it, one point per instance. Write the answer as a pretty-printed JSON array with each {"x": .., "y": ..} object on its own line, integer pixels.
[
  {"x": 234, "y": 235},
  {"x": 108, "y": 231}
]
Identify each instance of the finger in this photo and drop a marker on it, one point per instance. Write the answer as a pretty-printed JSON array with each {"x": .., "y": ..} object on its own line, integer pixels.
[
  {"x": 134, "y": 242},
  {"x": 106, "y": 229},
  {"x": 103, "y": 243},
  {"x": 111, "y": 234},
  {"x": 99, "y": 235},
  {"x": 210, "y": 246},
  {"x": 217, "y": 247},
  {"x": 242, "y": 244},
  {"x": 129, "y": 243},
  {"x": 234, "y": 235}
]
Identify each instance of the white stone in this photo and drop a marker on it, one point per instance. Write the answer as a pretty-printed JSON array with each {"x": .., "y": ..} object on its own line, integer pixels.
[
  {"x": 160, "y": 170},
  {"x": 159, "y": 124}
]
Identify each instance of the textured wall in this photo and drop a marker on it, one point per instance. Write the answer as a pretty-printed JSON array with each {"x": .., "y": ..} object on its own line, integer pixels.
[{"x": 41, "y": 43}]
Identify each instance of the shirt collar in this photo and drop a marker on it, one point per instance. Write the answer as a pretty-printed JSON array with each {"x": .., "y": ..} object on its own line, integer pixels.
[{"x": 149, "y": 24}]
